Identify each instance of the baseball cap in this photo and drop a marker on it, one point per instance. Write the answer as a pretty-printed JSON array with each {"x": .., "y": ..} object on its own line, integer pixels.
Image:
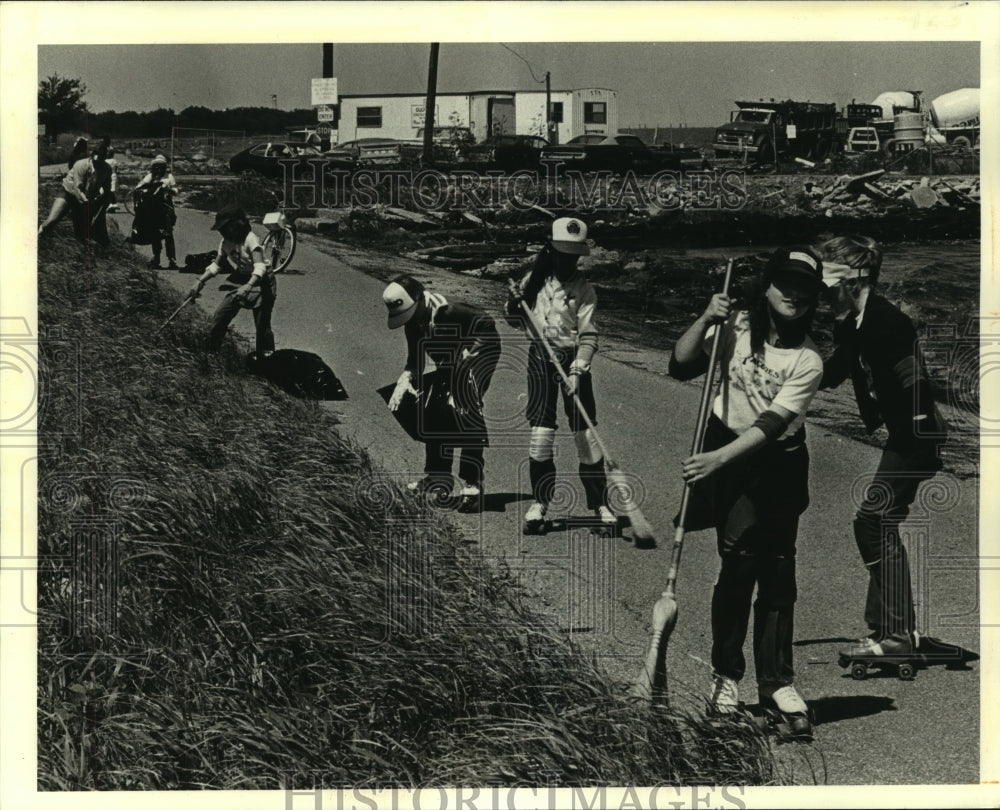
[
  {"x": 798, "y": 262},
  {"x": 228, "y": 214},
  {"x": 834, "y": 273},
  {"x": 401, "y": 298},
  {"x": 159, "y": 159},
  {"x": 569, "y": 235}
]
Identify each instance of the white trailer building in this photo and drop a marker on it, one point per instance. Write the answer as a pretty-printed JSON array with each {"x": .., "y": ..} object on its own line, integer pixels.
[{"x": 400, "y": 115}]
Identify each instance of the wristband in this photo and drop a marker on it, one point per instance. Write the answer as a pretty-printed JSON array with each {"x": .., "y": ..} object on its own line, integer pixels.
[{"x": 771, "y": 425}]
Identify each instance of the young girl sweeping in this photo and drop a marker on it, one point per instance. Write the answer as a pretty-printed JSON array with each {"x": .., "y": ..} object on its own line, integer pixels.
[{"x": 751, "y": 479}]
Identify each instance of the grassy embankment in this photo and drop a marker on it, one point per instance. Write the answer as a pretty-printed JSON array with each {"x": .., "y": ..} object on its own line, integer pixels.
[{"x": 279, "y": 609}]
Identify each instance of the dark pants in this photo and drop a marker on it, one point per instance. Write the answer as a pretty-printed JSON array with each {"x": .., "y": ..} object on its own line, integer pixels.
[
  {"x": 756, "y": 503},
  {"x": 90, "y": 221},
  {"x": 544, "y": 384},
  {"x": 889, "y": 604},
  {"x": 229, "y": 308},
  {"x": 469, "y": 383},
  {"x": 168, "y": 240}
]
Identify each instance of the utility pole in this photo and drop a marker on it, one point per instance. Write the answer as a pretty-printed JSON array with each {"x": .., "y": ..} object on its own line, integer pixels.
[
  {"x": 551, "y": 134},
  {"x": 432, "y": 73},
  {"x": 327, "y": 60}
]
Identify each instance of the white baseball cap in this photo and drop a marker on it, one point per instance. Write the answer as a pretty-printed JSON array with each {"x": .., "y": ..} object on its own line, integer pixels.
[
  {"x": 401, "y": 304},
  {"x": 569, "y": 235}
]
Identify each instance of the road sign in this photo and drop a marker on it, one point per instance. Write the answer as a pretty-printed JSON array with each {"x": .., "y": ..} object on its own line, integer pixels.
[
  {"x": 323, "y": 131},
  {"x": 324, "y": 91},
  {"x": 324, "y": 114}
]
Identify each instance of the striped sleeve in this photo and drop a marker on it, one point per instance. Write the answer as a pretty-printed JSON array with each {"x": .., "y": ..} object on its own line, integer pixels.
[{"x": 586, "y": 329}]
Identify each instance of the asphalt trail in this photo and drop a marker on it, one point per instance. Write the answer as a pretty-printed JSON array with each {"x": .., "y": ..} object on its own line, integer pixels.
[{"x": 878, "y": 731}]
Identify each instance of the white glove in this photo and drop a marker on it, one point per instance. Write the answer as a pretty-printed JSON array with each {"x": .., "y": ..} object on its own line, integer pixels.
[{"x": 403, "y": 385}]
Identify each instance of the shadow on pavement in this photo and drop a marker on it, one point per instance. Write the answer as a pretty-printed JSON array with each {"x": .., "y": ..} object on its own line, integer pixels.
[{"x": 842, "y": 707}]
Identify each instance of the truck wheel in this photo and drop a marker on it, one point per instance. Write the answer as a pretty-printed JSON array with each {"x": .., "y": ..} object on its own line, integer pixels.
[
  {"x": 889, "y": 145},
  {"x": 962, "y": 142},
  {"x": 765, "y": 153}
]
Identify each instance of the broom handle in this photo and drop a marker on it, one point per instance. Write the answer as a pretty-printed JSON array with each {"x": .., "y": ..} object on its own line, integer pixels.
[
  {"x": 173, "y": 315},
  {"x": 565, "y": 378},
  {"x": 699, "y": 436}
]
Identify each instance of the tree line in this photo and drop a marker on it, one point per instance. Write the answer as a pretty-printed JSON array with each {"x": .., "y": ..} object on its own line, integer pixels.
[{"x": 61, "y": 108}]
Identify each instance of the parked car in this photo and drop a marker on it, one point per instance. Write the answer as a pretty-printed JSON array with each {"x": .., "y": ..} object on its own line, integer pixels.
[
  {"x": 621, "y": 153},
  {"x": 373, "y": 152},
  {"x": 507, "y": 152},
  {"x": 265, "y": 159},
  {"x": 450, "y": 143}
]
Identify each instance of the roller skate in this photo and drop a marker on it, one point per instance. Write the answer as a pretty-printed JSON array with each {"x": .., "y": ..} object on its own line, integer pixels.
[
  {"x": 724, "y": 702},
  {"x": 607, "y": 522},
  {"x": 894, "y": 653},
  {"x": 535, "y": 521},
  {"x": 434, "y": 490},
  {"x": 470, "y": 499},
  {"x": 786, "y": 714}
]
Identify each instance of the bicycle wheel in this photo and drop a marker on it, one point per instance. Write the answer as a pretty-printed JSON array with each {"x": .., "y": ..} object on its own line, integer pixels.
[{"x": 279, "y": 247}]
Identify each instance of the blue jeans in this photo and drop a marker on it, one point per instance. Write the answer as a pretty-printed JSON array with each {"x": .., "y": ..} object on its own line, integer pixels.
[{"x": 229, "y": 308}]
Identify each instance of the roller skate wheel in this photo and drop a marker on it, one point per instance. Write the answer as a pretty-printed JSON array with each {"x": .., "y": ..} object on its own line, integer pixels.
[
  {"x": 906, "y": 672},
  {"x": 859, "y": 671}
]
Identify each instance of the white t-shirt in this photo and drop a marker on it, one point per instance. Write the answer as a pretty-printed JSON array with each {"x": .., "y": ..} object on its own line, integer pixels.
[
  {"x": 240, "y": 254},
  {"x": 752, "y": 384}
]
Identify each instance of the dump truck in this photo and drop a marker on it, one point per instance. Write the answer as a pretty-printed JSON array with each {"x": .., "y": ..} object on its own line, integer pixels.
[{"x": 760, "y": 131}]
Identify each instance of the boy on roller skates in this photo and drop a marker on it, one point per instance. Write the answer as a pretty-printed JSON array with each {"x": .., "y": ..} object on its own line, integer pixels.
[
  {"x": 751, "y": 479},
  {"x": 564, "y": 304},
  {"x": 876, "y": 346}
]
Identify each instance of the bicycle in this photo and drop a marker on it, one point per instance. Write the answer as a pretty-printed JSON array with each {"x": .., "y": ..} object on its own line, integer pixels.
[{"x": 279, "y": 242}]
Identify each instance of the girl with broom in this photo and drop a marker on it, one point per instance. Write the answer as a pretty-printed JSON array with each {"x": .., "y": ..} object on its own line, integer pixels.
[
  {"x": 562, "y": 303},
  {"x": 751, "y": 479}
]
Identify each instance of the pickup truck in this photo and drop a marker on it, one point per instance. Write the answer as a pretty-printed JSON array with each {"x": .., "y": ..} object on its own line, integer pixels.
[{"x": 621, "y": 153}]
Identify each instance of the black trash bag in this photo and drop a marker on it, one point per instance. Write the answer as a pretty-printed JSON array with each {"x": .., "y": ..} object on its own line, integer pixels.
[
  {"x": 151, "y": 215},
  {"x": 431, "y": 417},
  {"x": 301, "y": 374}
]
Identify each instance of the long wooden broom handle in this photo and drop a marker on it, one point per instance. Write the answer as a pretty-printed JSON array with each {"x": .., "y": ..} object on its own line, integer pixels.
[
  {"x": 696, "y": 444},
  {"x": 565, "y": 378}
]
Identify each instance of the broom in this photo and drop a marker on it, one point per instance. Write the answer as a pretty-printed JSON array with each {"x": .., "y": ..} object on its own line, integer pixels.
[
  {"x": 652, "y": 681},
  {"x": 645, "y": 537}
]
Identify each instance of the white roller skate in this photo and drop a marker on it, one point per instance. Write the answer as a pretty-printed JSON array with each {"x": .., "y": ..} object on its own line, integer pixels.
[
  {"x": 534, "y": 519},
  {"x": 724, "y": 702},
  {"x": 786, "y": 713}
]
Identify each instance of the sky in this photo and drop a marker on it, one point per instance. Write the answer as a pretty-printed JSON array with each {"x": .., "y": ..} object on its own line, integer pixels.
[{"x": 659, "y": 83}]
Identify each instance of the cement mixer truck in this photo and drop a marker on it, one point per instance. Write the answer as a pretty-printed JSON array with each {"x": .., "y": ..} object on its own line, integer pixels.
[{"x": 956, "y": 116}]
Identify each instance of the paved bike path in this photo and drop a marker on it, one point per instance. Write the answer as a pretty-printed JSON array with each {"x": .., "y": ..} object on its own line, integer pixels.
[{"x": 879, "y": 731}]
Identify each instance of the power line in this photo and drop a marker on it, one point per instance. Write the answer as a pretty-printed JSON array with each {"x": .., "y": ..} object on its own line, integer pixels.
[{"x": 530, "y": 69}]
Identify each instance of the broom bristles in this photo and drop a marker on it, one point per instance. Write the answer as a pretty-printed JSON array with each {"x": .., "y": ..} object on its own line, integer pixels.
[
  {"x": 641, "y": 528},
  {"x": 652, "y": 681}
]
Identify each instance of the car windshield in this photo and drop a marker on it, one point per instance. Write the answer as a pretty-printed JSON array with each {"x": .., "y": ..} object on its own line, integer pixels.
[{"x": 754, "y": 116}]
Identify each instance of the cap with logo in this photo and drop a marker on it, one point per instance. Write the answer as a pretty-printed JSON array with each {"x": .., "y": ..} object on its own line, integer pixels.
[
  {"x": 401, "y": 299},
  {"x": 569, "y": 235},
  {"x": 796, "y": 262}
]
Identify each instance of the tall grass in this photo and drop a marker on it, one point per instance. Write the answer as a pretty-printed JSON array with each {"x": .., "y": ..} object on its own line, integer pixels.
[{"x": 279, "y": 609}]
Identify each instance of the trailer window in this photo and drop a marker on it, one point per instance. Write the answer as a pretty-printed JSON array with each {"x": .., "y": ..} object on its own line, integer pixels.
[
  {"x": 595, "y": 112},
  {"x": 369, "y": 117},
  {"x": 556, "y": 113}
]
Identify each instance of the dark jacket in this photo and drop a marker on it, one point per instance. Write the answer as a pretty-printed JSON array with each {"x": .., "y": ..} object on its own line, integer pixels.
[
  {"x": 453, "y": 328},
  {"x": 897, "y": 390}
]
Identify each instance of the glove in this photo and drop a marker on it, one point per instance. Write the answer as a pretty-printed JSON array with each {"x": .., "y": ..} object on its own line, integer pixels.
[
  {"x": 404, "y": 385},
  {"x": 244, "y": 292}
]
